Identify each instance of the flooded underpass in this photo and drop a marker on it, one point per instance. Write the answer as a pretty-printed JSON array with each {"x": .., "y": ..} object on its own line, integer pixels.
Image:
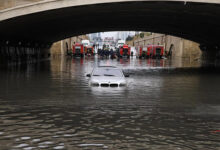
[{"x": 165, "y": 105}]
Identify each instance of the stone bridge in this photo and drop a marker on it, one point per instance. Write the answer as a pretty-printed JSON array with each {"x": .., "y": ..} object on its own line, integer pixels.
[{"x": 36, "y": 26}]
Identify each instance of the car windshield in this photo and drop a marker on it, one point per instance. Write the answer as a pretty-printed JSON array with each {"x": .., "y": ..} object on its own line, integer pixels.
[
  {"x": 121, "y": 44},
  {"x": 78, "y": 47},
  {"x": 107, "y": 72},
  {"x": 144, "y": 49}
]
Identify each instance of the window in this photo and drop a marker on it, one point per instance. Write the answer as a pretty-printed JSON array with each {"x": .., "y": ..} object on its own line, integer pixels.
[{"x": 107, "y": 72}]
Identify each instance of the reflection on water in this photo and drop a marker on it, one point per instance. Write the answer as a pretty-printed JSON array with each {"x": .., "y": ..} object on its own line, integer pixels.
[{"x": 51, "y": 106}]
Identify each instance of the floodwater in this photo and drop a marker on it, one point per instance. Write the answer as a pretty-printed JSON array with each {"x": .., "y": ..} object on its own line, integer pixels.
[{"x": 170, "y": 105}]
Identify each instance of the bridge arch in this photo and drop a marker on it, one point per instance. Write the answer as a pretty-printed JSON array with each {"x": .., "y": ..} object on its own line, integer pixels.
[{"x": 54, "y": 20}]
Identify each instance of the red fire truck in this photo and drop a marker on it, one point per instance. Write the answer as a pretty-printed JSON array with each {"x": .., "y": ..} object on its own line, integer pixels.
[
  {"x": 124, "y": 51},
  {"x": 156, "y": 51},
  {"x": 78, "y": 50},
  {"x": 142, "y": 52},
  {"x": 89, "y": 50}
]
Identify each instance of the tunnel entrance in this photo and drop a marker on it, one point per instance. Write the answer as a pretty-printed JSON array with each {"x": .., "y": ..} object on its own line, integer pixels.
[{"x": 47, "y": 22}]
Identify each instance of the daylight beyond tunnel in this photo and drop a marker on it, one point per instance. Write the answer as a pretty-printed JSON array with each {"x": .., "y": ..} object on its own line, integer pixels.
[{"x": 198, "y": 22}]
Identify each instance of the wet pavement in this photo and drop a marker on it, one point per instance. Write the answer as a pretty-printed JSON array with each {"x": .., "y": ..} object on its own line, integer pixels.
[{"x": 166, "y": 105}]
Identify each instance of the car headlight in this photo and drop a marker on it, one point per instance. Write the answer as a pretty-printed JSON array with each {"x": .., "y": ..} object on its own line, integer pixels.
[
  {"x": 123, "y": 84},
  {"x": 94, "y": 83}
]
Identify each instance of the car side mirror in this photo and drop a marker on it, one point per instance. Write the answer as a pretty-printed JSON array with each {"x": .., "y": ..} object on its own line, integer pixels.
[
  {"x": 127, "y": 75},
  {"x": 88, "y": 75}
]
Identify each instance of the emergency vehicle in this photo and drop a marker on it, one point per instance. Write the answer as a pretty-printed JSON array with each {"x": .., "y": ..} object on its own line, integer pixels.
[
  {"x": 124, "y": 51},
  {"x": 143, "y": 52},
  {"x": 120, "y": 43},
  {"x": 78, "y": 50},
  {"x": 89, "y": 50},
  {"x": 156, "y": 51},
  {"x": 85, "y": 42}
]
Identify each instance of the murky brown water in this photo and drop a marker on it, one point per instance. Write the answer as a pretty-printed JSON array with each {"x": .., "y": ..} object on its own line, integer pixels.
[{"x": 50, "y": 106}]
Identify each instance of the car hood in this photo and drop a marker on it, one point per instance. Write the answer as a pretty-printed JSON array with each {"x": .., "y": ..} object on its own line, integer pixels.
[{"x": 105, "y": 79}]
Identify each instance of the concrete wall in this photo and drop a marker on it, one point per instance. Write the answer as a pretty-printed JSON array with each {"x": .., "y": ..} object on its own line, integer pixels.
[
  {"x": 191, "y": 50},
  {"x": 60, "y": 48},
  {"x": 177, "y": 43},
  {"x": 56, "y": 48},
  {"x": 180, "y": 47}
]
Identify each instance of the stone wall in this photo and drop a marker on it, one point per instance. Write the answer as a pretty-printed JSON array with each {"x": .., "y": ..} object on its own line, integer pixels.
[
  {"x": 191, "y": 50},
  {"x": 60, "y": 48},
  {"x": 56, "y": 48},
  {"x": 180, "y": 47}
]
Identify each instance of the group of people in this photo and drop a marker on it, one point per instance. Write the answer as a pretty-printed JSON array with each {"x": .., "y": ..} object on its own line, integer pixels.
[{"x": 106, "y": 53}]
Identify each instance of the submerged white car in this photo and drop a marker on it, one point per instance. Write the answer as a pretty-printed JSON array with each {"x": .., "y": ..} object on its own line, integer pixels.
[{"x": 107, "y": 76}]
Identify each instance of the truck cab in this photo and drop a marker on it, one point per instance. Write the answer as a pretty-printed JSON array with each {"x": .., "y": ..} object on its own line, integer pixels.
[
  {"x": 85, "y": 43},
  {"x": 120, "y": 43},
  {"x": 124, "y": 51},
  {"x": 78, "y": 50},
  {"x": 89, "y": 50},
  {"x": 156, "y": 51}
]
